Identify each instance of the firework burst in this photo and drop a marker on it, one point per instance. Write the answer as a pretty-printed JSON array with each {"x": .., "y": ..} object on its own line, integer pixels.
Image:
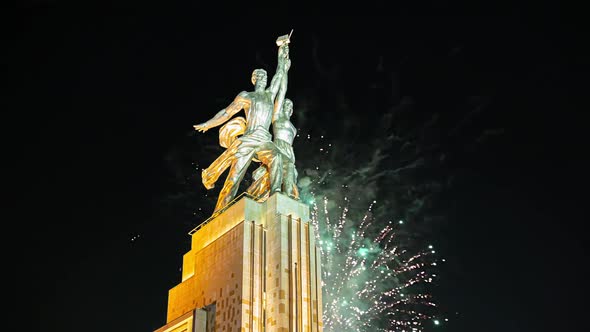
[{"x": 372, "y": 281}]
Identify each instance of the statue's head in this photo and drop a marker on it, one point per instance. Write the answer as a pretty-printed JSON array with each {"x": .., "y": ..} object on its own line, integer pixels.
[
  {"x": 288, "y": 107},
  {"x": 259, "y": 78}
]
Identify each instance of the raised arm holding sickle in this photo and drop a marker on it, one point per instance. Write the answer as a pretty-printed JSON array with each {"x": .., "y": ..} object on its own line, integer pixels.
[{"x": 256, "y": 141}]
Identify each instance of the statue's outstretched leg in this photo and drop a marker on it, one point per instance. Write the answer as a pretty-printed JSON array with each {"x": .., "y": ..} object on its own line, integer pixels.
[
  {"x": 237, "y": 170},
  {"x": 211, "y": 174}
]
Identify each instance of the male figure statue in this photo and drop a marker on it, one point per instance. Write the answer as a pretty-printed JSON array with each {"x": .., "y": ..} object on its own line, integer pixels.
[{"x": 256, "y": 142}]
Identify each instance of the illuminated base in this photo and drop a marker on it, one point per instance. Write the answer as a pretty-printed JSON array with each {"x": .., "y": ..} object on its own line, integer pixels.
[
  {"x": 254, "y": 267},
  {"x": 192, "y": 321}
]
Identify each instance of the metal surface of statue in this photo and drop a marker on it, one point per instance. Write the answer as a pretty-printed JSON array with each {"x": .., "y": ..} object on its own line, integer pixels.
[
  {"x": 284, "y": 133},
  {"x": 256, "y": 141},
  {"x": 228, "y": 135}
]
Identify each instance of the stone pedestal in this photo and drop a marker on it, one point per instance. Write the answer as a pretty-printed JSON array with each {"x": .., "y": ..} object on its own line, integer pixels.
[{"x": 254, "y": 267}]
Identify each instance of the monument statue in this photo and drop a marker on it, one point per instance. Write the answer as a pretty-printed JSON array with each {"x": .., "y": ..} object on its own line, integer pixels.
[
  {"x": 258, "y": 261},
  {"x": 256, "y": 141}
]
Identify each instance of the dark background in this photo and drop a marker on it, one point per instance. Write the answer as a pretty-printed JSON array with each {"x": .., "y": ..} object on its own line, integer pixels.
[{"x": 108, "y": 94}]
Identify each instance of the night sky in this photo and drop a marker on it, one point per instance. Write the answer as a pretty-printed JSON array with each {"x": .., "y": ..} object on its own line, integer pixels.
[{"x": 484, "y": 101}]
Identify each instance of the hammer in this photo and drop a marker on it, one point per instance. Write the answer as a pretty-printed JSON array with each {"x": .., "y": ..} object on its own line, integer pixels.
[{"x": 284, "y": 39}]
